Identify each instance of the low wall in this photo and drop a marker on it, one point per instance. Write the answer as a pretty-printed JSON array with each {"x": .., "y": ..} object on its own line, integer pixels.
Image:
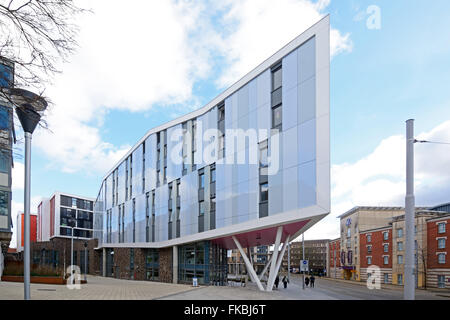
[{"x": 42, "y": 280}]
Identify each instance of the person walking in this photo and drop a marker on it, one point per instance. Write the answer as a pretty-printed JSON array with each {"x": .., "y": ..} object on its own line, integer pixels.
[
  {"x": 306, "y": 281},
  {"x": 277, "y": 281},
  {"x": 313, "y": 279},
  {"x": 285, "y": 281}
]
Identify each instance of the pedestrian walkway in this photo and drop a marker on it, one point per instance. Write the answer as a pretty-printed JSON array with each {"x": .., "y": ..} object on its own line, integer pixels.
[
  {"x": 97, "y": 288},
  {"x": 294, "y": 291}
]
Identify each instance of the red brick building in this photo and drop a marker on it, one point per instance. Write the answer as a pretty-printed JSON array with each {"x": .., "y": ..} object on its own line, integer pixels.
[
  {"x": 376, "y": 250},
  {"x": 334, "y": 258},
  {"x": 438, "y": 261}
]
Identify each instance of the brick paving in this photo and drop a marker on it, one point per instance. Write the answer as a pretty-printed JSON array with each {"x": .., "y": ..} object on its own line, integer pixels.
[{"x": 97, "y": 288}]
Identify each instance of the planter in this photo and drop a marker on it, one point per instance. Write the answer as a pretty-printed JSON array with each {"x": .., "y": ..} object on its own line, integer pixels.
[{"x": 42, "y": 280}]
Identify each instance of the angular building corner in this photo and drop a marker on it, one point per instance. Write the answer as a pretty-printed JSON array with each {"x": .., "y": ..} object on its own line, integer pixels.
[{"x": 181, "y": 197}]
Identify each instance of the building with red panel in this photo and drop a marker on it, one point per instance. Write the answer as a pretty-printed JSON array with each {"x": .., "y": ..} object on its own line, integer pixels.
[
  {"x": 20, "y": 230},
  {"x": 438, "y": 261},
  {"x": 65, "y": 215}
]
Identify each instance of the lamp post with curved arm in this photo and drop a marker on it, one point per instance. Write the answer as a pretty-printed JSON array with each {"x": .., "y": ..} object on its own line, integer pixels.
[{"x": 27, "y": 105}]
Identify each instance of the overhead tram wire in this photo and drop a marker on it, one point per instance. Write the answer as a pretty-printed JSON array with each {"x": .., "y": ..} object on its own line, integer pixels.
[{"x": 433, "y": 142}]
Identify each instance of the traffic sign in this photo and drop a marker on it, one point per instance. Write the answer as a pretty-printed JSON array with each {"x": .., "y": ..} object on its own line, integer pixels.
[{"x": 304, "y": 265}]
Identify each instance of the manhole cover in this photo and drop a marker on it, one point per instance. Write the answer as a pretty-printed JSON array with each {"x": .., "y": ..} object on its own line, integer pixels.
[{"x": 46, "y": 289}]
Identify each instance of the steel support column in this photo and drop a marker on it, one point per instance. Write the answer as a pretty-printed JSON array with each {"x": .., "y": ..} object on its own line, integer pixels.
[
  {"x": 272, "y": 274},
  {"x": 249, "y": 266}
]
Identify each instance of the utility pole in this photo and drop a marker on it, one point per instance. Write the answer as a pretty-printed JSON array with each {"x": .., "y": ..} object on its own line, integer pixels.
[
  {"x": 289, "y": 261},
  {"x": 303, "y": 252},
  {"x": 409, "y": 287},
  {"x": 71, "y": 259}
]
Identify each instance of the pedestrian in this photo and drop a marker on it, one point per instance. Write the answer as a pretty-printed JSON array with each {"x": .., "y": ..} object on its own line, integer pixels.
[
  {"x": 277, "y": 281},
  {"x": 312, "y": 281},
  {"x": 285, "y": 281},
  {"x": 306, "y": 281}
]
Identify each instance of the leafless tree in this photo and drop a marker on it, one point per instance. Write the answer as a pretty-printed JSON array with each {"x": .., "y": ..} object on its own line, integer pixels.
[{"x": 37, "y": 36}]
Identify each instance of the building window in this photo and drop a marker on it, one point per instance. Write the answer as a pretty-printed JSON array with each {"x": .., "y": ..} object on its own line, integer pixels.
[
  {"x": 441, "y": 258},
  {"x": 201, "y": 181},
  {"x": 369, "y": 249},
  {"x": 143, "y": 167},
  {"x": 386, "y": 260},
  {"x": 399, "y": 233},
  {"x": 194, "y": 143},
  {"x": 400, "y": 246},
  {"x": 153, "y": 215},
  {"x": 400, "y": 279},
  {"x": 4, "y": 118},
  {"x": 221, "y": 127},
  {"x": 6, "y": 76},
  {"x": 386, "y": 278},
  {"x": 152, "y": 264},
  {"x": 147, "y": 217},
  {"x": 4, "y": 202},
  {"x": 441, "y": 281},
  {"x": 277, "y": 117},
  {"x": 349, "y": 232},
  {"x": 385, "y": 235},
  {"x": 441, "y": 243},
  {"x": 369, "y": 238},
  {"x": 369, "y": 260},
  {"x": 4, "y": 161},
  {"x": 399, "y": 259},
  {"x": 264, "y": 192},
  {"x": 277, "y": 79},
  {"x": 441, "y": 228}
]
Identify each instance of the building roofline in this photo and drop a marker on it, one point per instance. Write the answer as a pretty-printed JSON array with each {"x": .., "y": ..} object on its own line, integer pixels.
[
  {"x": 71, "y": 195},
  {"x": 376, "y": 229},
  {"x": 441, "y": 205},
  {"x": 261, "y": 68},
  {"x": 362, "y": 208},
  {"x": 445, "y": 216}
]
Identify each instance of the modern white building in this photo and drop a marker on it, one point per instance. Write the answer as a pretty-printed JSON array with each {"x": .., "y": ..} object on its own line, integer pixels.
[
  {"x": 63, "y": 213},
  {"x": 250, "y": 168}
]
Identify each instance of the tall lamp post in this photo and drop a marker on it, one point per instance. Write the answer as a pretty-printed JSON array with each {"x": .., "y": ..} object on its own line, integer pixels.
[
  {"x": 409, "y": 286},
  {"x": 28, "y": 105},
  {"x": 85, "y": 260}
]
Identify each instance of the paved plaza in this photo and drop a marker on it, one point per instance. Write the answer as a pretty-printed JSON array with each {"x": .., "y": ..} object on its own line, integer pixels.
[{"x": 99, "y": 288}]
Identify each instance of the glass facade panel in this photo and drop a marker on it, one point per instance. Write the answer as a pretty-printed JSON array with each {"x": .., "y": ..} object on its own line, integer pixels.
[{"x": 203, "y": 260}]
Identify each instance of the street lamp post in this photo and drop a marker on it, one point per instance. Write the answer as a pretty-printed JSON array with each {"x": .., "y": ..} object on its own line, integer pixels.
[
  {"x": 409, "y": 287},
  {"x": 289, "y": 261},
  {"x": 85, "y": 260},
  {"x": 303, "y": 252},
  {"x": 27, "y": 106}
]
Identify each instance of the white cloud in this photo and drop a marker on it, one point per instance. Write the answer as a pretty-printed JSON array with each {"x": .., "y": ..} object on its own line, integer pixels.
[
  {"x": 18, "y": 176},
  {"x": 264, "y": 28},
  {"x": 379, "y": 178},
  {"x": 153, "y": 52}
]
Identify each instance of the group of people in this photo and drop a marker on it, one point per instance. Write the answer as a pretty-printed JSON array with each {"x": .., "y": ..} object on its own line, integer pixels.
[
  {"x": 285, "y": 281},
  {"x": 308, "y": 281}
]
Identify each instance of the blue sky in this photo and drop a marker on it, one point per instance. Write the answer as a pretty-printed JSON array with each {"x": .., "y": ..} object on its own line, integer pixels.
[{"x": 379, "y": 79}]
